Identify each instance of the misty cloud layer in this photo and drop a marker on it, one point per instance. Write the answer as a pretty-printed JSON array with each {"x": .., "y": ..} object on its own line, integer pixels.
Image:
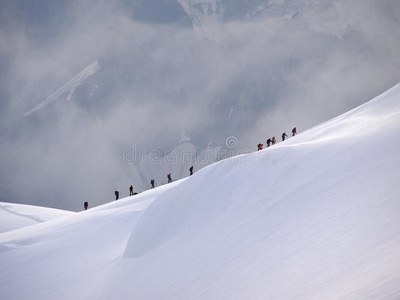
[{"x": 264, "y": 75}]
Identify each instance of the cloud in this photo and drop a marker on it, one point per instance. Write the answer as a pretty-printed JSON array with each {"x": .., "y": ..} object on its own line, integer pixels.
[{"x": 157, "y": 79}]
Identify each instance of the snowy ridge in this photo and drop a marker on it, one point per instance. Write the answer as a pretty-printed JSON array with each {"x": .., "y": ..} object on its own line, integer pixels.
[
  {"x": 69, "y": 87},
  {"x": 314, "y": 217}
]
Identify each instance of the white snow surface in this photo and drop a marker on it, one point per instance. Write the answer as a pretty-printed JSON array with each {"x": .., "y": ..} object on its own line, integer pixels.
[
  {"x": 14, "y": 216},
  {"x": 314, "y": 217}
]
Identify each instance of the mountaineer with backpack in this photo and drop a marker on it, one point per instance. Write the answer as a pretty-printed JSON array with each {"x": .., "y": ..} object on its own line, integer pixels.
[
  {"x": 86, "y": 205},
  {"x": 152, "y": 182},
  {"x": 269, "y": 142},
  {"x": 191, "y": 170},
  {"x": 131, "y": 190},
  {"x": 116, "y": 195},
  {"x": 284, "y": 135},
  {"x": 294, "y": 131},
  {"x": 259, "y": 147},
  {"x": 169, "y": 178},
  {"x": 273, "y": 141}
]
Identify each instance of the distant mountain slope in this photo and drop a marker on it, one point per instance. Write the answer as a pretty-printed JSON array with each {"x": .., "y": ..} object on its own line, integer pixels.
[
  {"x": 314, "y": 217},
  {"x": 14, "y": 216},
  {"x": 205, "y": 16},
  {"x": 69, "y": 88}
]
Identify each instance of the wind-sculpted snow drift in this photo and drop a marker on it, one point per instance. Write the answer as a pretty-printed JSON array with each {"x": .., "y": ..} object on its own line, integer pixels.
[{"x": 314, "y": 217}]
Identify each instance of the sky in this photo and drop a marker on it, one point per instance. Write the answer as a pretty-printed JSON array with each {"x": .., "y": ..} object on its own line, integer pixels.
[{"x": 249, "y": 71}]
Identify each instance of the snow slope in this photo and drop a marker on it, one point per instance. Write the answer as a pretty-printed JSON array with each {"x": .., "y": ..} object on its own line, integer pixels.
[
  {"x": 14, "y": 216},
  {"x": 314, "y": 217}
]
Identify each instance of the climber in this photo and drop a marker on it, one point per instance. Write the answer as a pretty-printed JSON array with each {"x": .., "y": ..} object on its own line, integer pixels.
[{"x": 269, "y": 142}]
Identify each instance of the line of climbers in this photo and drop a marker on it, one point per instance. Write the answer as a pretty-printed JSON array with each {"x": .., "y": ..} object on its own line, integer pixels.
[
  {"x": 131, "y": 193},
  {"x": 272, "y": 141},
  {"x": 169, "y": 176}
]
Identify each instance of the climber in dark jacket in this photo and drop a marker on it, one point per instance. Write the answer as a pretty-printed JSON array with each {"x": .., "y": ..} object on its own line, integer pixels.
[{"x": 269, "y": 142}]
